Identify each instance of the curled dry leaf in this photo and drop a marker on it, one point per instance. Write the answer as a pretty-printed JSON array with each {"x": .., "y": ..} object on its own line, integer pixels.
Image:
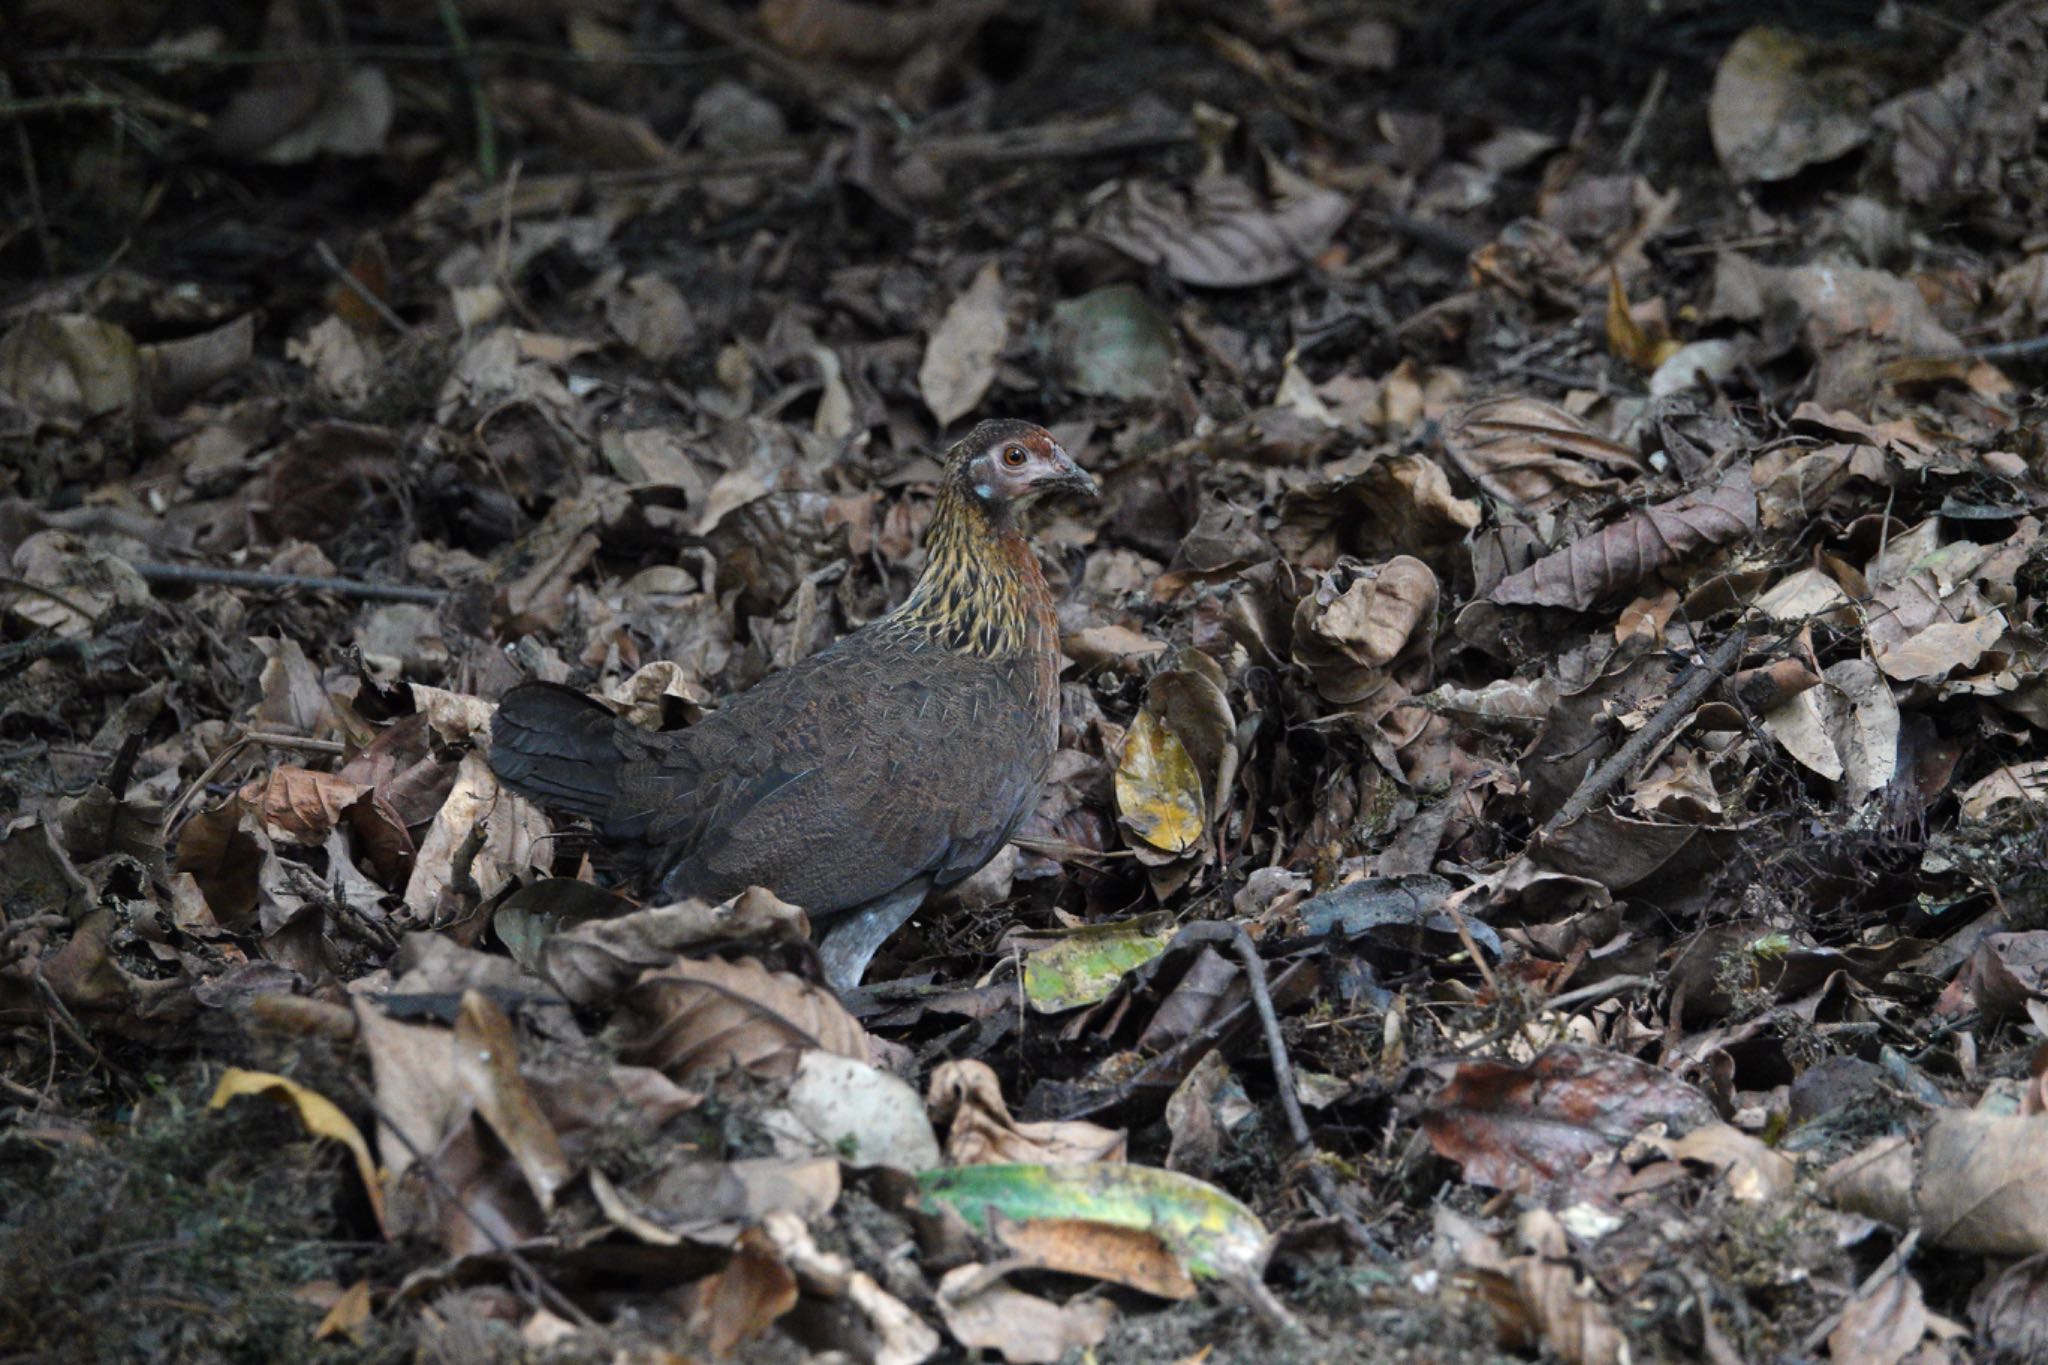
[
  {"x": 1973, "y": 1182},
  {"x": 1359, "y": 620},
  {"x": 900, "y": 1336},
  {"x": 742, "y": 1301},
  {"x": 486, "y": 1056},
  {"x": 1614, "y": 560},
  {"x": 692, "y": 1017},
  {"x": 1881, "y": 1323},
  {"x": 1532, "y": 455},
  {"x": 514, "y": 841},
  {"x": 320, "y": 1116},
  {"x": 300, "y": 806},
  {"x": 967, "y": 1097},
  {"x": 595, "y": 960}
]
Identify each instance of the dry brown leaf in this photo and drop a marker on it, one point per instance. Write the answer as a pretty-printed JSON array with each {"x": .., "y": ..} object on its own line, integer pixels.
[
  {"x": 1755, "y": 1174},
  {"x": 960, "y": 360},
  {"x": 1521, "y": 1127},
  {"x": 966, "y": 1096},
  {"x": 1359, "y": 620},
  {"x": 1222, "y": 236},
  {"x": 1617, "y": 558},
  {"x": 986, "y": 1315},
  {"x": 487, "y": 1067},
  {"x": 1776, "y": 109},
  {"x": 515, "y": 836},
  {"x": 1532, "y": 455},
  {"x": 593, "y": 961},
  {"x": 742, "y": 1301},
  {"x": 692, "y": 1017},
  {"x": 1881, "y": 1323}
]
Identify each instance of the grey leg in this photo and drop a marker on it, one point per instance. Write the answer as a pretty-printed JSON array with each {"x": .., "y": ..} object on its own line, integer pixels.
[{"x": 852, "y": 941}]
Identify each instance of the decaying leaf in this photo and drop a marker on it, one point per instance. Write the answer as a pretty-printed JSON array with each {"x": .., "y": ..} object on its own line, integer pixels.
[{"x": 1158, "y": 790}]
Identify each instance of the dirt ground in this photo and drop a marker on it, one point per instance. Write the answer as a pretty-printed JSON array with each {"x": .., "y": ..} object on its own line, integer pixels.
[{"x": 1547, "y": 855}]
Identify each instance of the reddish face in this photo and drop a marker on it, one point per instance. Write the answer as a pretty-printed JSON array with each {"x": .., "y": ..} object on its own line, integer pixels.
[{"x": 1007, "y": 464}]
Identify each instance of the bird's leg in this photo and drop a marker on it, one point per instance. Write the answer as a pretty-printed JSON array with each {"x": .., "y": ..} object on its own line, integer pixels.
[{"x": 850, "y": 943}]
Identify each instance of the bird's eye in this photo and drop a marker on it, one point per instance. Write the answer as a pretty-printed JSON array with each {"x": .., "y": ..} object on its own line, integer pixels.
[{"x": 1013, "y": 457}]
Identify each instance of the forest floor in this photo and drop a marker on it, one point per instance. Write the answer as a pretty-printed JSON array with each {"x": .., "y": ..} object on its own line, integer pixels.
[{"x": 1545, "y": 858}]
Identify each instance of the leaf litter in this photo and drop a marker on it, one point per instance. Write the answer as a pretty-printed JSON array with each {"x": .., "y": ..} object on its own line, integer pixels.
[{"x": 1546, "y": 848}]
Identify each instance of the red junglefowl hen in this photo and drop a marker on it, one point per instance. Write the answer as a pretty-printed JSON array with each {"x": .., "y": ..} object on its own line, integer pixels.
[{"x": 856, "y": 782}]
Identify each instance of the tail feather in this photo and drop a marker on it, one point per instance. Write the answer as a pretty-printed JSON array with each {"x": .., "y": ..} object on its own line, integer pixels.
[{"x": 556, "y": 745}]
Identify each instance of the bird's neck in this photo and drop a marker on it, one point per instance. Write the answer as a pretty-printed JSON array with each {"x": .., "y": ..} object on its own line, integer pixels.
[{"x": 982, "y": 591}]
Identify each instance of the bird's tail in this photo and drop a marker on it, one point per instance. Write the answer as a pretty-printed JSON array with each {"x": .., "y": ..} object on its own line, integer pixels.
[{"x": 556, "y": 745}]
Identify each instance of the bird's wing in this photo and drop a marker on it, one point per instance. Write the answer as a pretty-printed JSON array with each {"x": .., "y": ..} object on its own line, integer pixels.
[{"x": 866, "y": 767}]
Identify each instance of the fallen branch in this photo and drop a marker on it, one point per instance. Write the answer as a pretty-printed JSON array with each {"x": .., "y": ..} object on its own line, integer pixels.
[
  {"x": 1305, "y": 1148},
  {"x": 197, "y": 574},
  {"x": 1692, "y": 688}
]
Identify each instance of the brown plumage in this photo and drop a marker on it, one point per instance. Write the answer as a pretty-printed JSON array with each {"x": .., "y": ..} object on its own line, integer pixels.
[{"x": 893, "y": 763}]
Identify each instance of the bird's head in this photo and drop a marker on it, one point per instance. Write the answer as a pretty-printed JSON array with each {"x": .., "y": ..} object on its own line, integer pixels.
[{"x": 1003, "y": 466}]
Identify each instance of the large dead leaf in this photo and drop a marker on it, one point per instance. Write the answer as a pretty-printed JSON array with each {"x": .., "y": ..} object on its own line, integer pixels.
[
  {"x": 1158, "y": 790},
  {"x": 1359, "y": 620},
  {"x": 1775, "y": 110},
  {"x": 1614, "y": 560},
  {"x": 1533, "y": 455},
  {"x": 960, "y": 360},
  {"x": 692, "y": 1017},
  {"x": 1221, "y": 235},
  {"x": 486, "y": 1058},
  {"x": 1522, "y": 1127}
]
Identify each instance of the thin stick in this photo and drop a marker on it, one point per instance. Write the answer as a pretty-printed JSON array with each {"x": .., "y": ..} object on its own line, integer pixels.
[
  {"x": 248, "y": 578},
  {"x": 479, "y": 104},
  {"x": 1645, "y": 111},
  {"x": 1692, "y": 687},
  {"x": 1283, "y": 1076},
  {"x": 351, "y": 55},
  {"x": 537, "y": 1284}
]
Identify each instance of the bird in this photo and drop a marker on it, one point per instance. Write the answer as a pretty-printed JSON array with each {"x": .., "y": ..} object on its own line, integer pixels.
[{"x": 858, "y": 781}]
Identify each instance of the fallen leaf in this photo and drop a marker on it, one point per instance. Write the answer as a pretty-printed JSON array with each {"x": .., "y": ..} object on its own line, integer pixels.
[
  {"x": 320, "y": 1116},
  {"x": 1158, "y": 790},
  {"x": 960, "y": 360}
]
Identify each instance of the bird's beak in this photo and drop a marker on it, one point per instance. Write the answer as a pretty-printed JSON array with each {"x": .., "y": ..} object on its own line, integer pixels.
[{"x": 1074, "y": 478}]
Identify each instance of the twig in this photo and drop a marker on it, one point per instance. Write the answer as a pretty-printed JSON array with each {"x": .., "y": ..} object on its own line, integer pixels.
[
  {"x": 26, "y": 151},
  {"x": 536, "y": 1284},
  {"x": 479, "y": 104},
  {"x": 1692, "y": 687},
  {"x": 1645, "y": 111},
  {"x": 271, "y": 740},
  {"x": 1063, "y": 140},
  {"x": 351, "y": 55},
  {"x": 96, "y": 101},
  {"x": 362, "y": 291},
  {"x": 249, "y": 578},
  {"x": 2002, "y": 350},
  {"x": 1283, "y": 1075}
]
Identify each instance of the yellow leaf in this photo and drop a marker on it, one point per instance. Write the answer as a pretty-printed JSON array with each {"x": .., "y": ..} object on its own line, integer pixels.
[
  {"x": 1158, "y": 791},
  {"x": 320, "y": 1115},
  {"x": 1643, "y": 347},
  {"x": 348, "y": 1315}
]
